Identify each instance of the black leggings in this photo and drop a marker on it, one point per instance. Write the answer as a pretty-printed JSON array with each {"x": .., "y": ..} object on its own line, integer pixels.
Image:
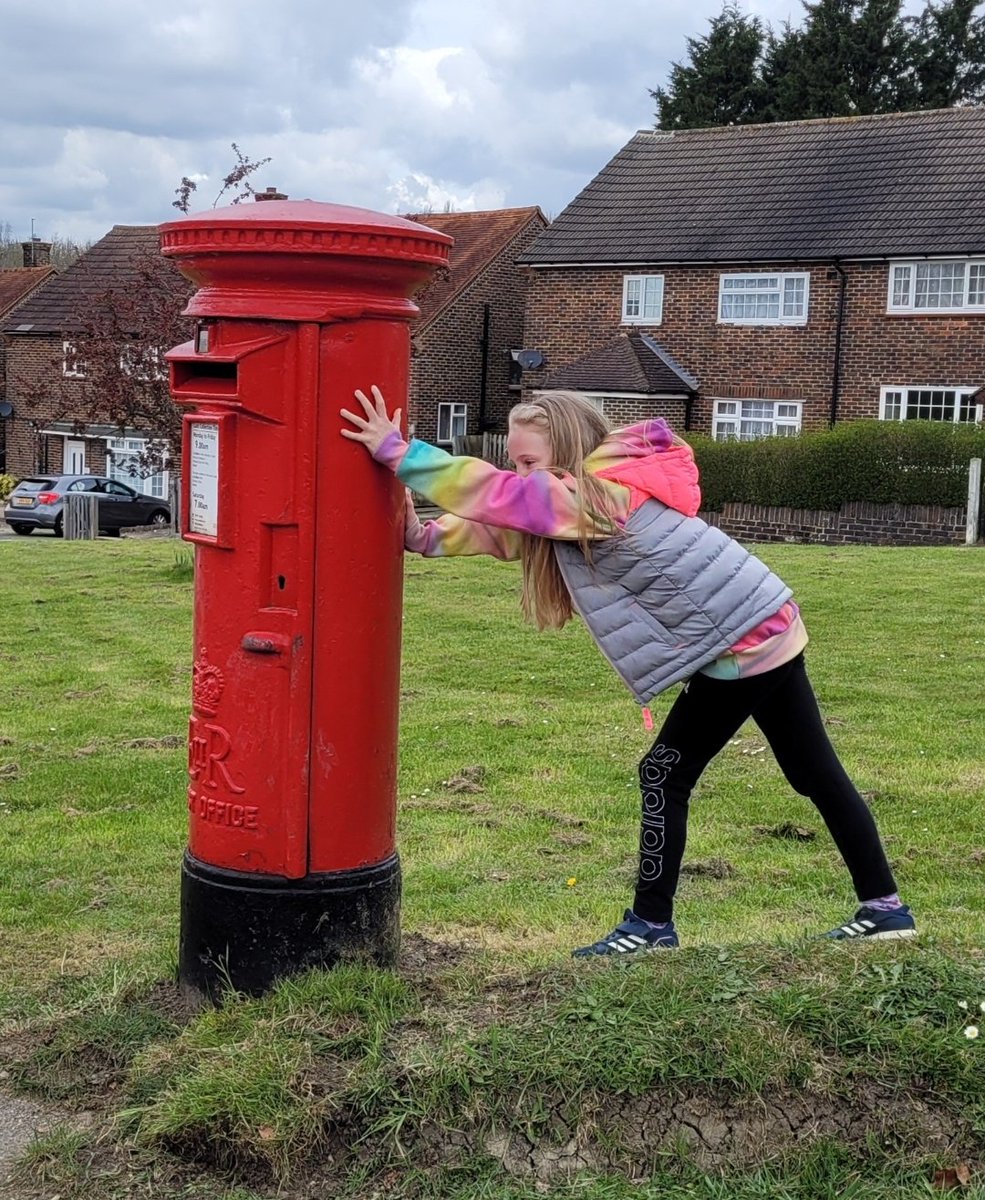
[{"x": 703, "y": 718}]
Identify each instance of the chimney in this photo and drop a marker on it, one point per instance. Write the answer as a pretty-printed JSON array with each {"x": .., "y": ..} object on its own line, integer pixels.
[
  {"x": 270, "y": 194},
  {"x": 36, "y": 253}
]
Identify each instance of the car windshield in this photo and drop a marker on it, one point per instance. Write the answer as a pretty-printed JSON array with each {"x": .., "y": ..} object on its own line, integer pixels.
[{"x": 35, "y": 485}]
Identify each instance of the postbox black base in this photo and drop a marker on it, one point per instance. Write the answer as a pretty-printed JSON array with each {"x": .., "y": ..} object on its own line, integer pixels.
[{"x": 245, "y": 931}]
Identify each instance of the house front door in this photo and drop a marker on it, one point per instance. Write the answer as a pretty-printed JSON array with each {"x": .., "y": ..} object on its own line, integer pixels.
[{"x": 74, "y": 462}]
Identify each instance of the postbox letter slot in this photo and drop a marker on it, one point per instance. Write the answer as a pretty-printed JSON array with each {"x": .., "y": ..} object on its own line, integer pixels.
[{"x": 206, "y": 378}]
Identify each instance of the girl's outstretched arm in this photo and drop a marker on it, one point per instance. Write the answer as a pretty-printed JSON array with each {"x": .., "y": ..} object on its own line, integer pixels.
[
  {"x": 447, "y": 536},
  {"x": 540, "y": 503}
]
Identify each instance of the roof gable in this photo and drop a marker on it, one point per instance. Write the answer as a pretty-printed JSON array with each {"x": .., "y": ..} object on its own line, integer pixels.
[
  {"x": 17, "y": 283},
  {"x": 850, "y": 187},
  {"x": 56, "y": 305},
  {"x": 479, "y": 238}
]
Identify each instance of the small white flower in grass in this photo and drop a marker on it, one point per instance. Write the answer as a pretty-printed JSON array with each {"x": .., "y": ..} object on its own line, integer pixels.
[
  {"x": 971, "y": 1031},
  {"x": 981, "y": 1005},
  {"x": 963, "y": 1004}
]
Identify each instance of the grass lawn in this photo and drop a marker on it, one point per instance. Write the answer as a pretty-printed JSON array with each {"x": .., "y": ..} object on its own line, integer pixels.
[{"x": 491, "y": 1062}]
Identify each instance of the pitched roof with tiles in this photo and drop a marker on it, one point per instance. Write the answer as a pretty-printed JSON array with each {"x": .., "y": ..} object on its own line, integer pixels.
[
  {"x": 17, "y": 283},
  {"x": 56, "y": 306},
  {"x": 632, "y": 363},
  {"x": 479, "y": 238},
  {"x": 850, "y": 187}
]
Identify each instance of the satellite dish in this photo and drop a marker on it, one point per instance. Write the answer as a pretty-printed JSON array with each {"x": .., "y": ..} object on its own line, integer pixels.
[
  {"x": 6, "y": 409},
  {"x": 530, "y": 360}
]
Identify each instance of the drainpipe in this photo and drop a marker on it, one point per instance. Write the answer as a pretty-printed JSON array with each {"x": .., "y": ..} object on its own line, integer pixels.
[
  {"x": 484, "y": 373},
  {"x": 839, "y": 328},
  {"x": 689, "y": 400}
]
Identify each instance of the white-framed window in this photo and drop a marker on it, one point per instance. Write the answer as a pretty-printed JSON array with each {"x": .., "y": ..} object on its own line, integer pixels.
[
  {"x": 73, "y": 367},
  {"x": 124, "y": 463},
  {"x": 642, "y": 299},
  {"x": 928, "y": 403},
  {"x": 142, "y": 363},
  {"x": 776, "y": 299},
  {"x": 745, "y": 420},
  {"x": 956, "y": 285},
  {"x": 453, "y": 419}
]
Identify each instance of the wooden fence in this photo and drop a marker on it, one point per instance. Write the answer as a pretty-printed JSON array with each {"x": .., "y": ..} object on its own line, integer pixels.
[{"x": 490, "y": 446}]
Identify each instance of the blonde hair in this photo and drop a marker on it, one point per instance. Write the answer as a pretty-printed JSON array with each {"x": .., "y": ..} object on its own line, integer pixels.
[{"x": 574, "y": 427}]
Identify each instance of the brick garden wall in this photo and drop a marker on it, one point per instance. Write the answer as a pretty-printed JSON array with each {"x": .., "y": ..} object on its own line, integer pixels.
[
  {"x": 858, "y": 523},
  {"x": 575, "y": 310}
]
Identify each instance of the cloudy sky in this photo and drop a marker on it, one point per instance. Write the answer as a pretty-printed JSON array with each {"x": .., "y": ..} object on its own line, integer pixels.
[{"x": 394, "y": 105}]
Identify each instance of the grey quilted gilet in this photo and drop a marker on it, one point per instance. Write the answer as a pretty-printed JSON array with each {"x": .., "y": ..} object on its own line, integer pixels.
[{"x": 667, "y": 596}]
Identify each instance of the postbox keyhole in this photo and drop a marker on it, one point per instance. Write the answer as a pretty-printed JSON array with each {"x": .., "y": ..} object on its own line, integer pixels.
[{"x": 281, "y": 582}]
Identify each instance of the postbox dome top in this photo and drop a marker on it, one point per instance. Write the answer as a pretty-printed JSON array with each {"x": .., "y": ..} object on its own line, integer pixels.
[
  {"x": 311, "y": 225},
  {"x": 296, "y": 258}
]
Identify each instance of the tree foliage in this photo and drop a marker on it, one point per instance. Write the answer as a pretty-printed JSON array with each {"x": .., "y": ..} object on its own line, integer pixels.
[
  {"x": 721, "y": 84},
  {"x": 847, "y": 58},
  {"x": 116, "y": 355},
  {"x": 64, "y": 251},
  {"x": 122, "y": 335}
]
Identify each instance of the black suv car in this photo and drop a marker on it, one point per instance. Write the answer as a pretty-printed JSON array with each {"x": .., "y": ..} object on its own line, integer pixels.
[{"x": 39, "y": 502}]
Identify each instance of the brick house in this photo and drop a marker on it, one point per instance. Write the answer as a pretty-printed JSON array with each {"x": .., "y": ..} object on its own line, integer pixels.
[
  {"x": 47, "y": 430},
  {"x": 765, "y": 279},
  {"x": 464, "y": 374},
  {"x": 16, "y": 284}
]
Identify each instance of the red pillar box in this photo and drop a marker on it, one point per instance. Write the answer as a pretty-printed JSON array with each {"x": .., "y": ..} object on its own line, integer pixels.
[{"x": 298, "y": 535}]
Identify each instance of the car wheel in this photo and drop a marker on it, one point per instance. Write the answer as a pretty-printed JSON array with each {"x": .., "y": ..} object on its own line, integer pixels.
[
  {"x": 23, "y": 530},
  {"x": 159, "y": 518},
  {"x": 58, "y": 526}
]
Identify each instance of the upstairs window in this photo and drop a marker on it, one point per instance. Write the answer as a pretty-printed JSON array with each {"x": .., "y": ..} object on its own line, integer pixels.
[
  {"x": 73, "y": 366},
  {"x": 143, "y": 363},
  {"x": 746, "y": 420},
  {"x": 957, "y": 286},
  {"x": 642, "y": 299},
  {"x": 928, "y": 404},
  {"x": 779, "y": 299}
]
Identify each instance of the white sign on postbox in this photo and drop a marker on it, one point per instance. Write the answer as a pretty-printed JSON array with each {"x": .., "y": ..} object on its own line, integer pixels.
[{"x": 203, "y": 479}]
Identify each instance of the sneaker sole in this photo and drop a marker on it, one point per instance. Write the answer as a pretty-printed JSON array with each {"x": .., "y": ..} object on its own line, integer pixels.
[{"x": 890, "y": 935}]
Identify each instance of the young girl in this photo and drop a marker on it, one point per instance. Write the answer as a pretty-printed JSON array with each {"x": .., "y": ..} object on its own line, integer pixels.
[{"x": 605, "y": 523}]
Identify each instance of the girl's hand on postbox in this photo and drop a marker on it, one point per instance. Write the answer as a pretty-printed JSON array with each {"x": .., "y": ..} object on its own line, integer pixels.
[{"x": 375, "y": 425}]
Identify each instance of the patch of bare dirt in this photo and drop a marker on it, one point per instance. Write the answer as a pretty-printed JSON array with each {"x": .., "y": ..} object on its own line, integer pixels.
[
  {"x": 711, "y": 868},
  {"x": 468, "y": 779},
  {"x": 629, "y": 1134}
]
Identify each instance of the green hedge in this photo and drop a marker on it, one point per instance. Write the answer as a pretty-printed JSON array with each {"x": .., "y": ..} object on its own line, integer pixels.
[
  {"x": 7, "y": 485},
  {"x": 884, "y": 462}
]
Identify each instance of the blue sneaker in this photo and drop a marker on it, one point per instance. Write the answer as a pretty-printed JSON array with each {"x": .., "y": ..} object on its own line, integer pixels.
[
  {"x": 876, "y": 924},
  {"x": 633, "y": 936}
]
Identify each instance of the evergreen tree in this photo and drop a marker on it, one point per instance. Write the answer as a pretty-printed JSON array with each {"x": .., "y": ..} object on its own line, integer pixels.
[
  {"x": 721, "y": 85},
  {"x": 784, "y": 82},
  {"x": 847, "y": 58},
  {"x": 947, "y": 54},
  {"x": 853, "y": 58}
]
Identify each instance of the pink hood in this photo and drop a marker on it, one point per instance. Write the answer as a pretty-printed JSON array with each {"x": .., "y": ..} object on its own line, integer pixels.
[{"x": 645, "y": 459}]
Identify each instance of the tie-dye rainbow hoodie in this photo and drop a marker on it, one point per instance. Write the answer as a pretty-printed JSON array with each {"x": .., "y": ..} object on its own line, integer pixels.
[{"x": 488, "y": 509}]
